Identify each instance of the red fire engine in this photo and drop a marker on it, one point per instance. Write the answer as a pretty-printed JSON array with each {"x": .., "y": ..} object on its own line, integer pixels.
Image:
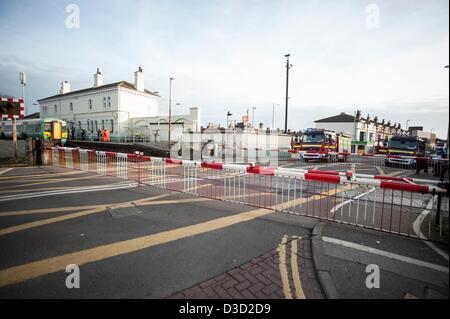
[{"x": 320, "y": 144}]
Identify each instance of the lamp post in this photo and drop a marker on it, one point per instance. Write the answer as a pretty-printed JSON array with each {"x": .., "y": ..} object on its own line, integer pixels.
[
  {"x": 228, "y": 115},
  {"x": 170, "y": 110},
  {"x": 288, "y": 67},
  {"x": 253, "y": 116},
  {"x": 448, "y": 129}
]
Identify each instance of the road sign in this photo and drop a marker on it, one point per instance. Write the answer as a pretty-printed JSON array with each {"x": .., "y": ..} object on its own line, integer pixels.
[{"x": 12, "y": 108}]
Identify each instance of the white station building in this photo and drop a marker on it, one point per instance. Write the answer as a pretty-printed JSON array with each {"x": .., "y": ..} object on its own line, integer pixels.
[{"x": 127, "y": 109}]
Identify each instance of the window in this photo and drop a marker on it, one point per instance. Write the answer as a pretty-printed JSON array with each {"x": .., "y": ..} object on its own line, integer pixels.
[
  {"x": 71, "y": 107},
  {"x": 109, "y": 102},
  {"x": 56, "y": 108},
  {"x": 96, "y": 125},
  {"x": 79, "y": 125},
  {"x": 104, "y": 102},
  {"x": 103, "y": 124},
  {"x": 88, "y": 126},
  {"x": 361, "y": 137},
  {"x": 44, "y": 111},
  {"x": 90, "y": 105},
  {"x": 112, "y": 126}
]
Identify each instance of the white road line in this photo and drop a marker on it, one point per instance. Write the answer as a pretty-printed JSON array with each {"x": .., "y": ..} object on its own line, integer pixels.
[
  {"x": 338, "y": 206},
  {"x": 83, "y": 189},
  {"x": 380, "y": 170},
  {"x": 6, "y": 170},
  {"x": 418, "y": 223},
  {"x": 387, "y": 254}
]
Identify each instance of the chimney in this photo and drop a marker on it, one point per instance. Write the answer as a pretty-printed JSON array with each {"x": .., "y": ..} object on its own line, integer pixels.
[
  {"x": 98, "y": 78},
  {"x": 139, "y": 80},
  {"x": 65, "y": 87}
]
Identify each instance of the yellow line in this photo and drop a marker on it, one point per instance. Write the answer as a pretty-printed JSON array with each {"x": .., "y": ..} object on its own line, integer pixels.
[
  {"x": 295, "y": 274},
  {"x": 39, "y": 268},
  {"x": 283, "y": 269}
]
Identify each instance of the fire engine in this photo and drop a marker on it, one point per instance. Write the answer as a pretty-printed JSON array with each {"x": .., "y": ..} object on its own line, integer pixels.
[
  {"x": 402, "y": 150},
  {"x": 320, "y": 144}
]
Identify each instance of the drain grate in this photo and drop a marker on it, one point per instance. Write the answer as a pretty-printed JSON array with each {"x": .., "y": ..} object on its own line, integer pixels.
[{"x": 124, "y": 212}]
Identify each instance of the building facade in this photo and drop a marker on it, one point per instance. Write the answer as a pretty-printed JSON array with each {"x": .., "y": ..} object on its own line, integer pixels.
[
  {"x": 117, "y": 107},
  {"x": 366, "y": 132}
]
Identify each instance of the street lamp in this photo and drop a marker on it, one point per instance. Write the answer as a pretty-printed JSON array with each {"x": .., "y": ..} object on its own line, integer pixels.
[
  {"x": 448, "y": 129},
  {"x": 253, "y": 116},
  {"x": 288, "y": 67},
  {"x": 228, "y": 115},
  {"x": 170, "y": 109}
]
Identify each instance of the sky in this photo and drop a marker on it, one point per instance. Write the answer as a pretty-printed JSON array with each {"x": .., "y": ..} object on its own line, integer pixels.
[{"x": 385, "y": 58}]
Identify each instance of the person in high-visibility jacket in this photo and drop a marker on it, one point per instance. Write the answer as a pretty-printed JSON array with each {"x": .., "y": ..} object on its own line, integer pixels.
[{"x": 105, "y": 135}]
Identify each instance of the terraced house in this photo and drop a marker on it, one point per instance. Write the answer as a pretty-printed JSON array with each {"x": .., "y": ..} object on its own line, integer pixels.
[{"x": 366, "y": 132}]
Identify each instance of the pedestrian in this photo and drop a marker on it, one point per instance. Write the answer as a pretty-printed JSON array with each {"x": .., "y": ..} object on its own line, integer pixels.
[
  {"x": 38, "y": 148},
  {"x": 421, "y": 164},
  {"x": 99, "y": 135}
]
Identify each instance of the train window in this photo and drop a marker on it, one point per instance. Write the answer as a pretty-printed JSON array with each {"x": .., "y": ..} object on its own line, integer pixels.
[{"x": 47, "y": 127}]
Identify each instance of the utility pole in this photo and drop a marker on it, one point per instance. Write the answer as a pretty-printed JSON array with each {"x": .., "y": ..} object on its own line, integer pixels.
[
  {"x": 23, "y": 82},
  {"x": 170, "y": 109},
  {"x": 288, "y": 67},
  {"x": 448, "y": 130}
]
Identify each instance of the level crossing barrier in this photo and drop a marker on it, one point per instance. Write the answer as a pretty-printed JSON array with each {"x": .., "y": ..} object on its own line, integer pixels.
[{"x": 405, "y": 206}]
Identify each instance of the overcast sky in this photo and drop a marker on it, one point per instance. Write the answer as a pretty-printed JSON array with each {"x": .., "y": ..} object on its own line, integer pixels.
[{"x": 229, "y": 55}]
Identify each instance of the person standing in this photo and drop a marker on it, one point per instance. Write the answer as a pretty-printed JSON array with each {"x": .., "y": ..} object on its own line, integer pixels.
[{"x": 38, "y": 148}]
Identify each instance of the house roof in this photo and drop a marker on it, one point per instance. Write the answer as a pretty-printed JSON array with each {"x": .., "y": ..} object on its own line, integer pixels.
[
  {"x": 341, "y": 118},
  {"x": 122, "y": 84}
]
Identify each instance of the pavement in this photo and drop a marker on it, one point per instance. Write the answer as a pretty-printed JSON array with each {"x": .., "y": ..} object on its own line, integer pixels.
[{"x": 134, "y": 241}]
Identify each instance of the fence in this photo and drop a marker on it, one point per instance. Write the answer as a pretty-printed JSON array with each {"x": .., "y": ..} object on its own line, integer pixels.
[
  {"x": 435, "y": 165},
  {"x": 410, "y": 207}
]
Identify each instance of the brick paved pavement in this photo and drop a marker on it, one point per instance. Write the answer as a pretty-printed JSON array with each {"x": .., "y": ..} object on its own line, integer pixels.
[{"x": 260, "y": 278}]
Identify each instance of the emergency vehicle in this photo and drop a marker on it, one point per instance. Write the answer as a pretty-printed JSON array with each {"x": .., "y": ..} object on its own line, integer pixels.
[
  {"x": 320, "y": 144},
  {"x": 402, "y": 150}
]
